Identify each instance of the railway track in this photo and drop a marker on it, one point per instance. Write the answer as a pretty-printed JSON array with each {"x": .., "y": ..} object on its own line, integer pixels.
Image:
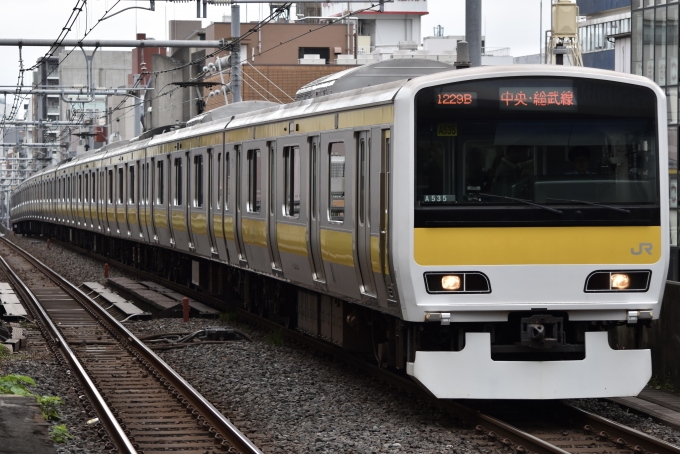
[
  {"x": 525, "y": 426},
  {"x": 143, "y": 405}
]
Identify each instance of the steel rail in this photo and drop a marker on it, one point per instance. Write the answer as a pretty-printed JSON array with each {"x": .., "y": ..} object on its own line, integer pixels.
[
  {"x": 213, "y": 416},
  {"x": 106, "y": 417},
  {"x": 620, "y": 434}
]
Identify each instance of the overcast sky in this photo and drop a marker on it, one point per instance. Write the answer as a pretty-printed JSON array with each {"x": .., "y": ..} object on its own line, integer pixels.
[{"x": 506, "y": 23}]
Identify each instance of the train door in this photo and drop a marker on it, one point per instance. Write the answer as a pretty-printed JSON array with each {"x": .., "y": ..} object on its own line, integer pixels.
[
  {"x": 362, "y": 222},
  {"x": 92, "y": 196},
  {"x": 178, "y": 200},
  {"x": 240, "y": 187},
  {"x": 144, "y": 206},
  {"x": 86, "y": 200},
  {"x": 314, "y": 242},
  {"x": 199, "y": 203},
  {"x": 69, "y": 203},
  {"x": 272, "y": 212},
  {"x": 119, "y": 200},
  {"x": 292, "y": 212},
  {"x": 133, "y": 193},
  {"x": 254, "y": 187},
  {"x": 161, "y": 195},
  {"x": 337, "y": 159},
  {"x": 230, "y": 176},
  {"x": 218, "y": 202},
  {"x": 384, "y": 204}
]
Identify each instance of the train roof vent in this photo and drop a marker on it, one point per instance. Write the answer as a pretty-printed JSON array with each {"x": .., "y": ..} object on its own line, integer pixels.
[
  {"x": 230, "y": 110},
  {"x": 376, "y": 73}
]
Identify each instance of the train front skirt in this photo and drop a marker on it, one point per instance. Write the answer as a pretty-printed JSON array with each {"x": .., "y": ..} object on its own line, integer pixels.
[{"x": 472, "y": 374}]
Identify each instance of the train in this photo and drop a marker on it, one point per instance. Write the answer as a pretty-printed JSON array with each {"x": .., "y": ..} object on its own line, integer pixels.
[{"x": 484, "y": 231}]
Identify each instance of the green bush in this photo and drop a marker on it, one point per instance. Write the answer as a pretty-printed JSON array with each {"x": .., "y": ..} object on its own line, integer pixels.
[
  {"x": 274, "y": 338},
  {"x": 59, "y": 433},
  {"x": 18, "y": 385},
  {"x": 229, "y": 317}
]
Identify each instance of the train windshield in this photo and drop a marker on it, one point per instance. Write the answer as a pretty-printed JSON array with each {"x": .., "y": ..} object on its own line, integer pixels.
[{"x": 549, "y": 141}]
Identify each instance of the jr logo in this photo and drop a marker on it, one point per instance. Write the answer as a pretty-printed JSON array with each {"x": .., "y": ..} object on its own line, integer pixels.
[{"x": 647, "y": 247}]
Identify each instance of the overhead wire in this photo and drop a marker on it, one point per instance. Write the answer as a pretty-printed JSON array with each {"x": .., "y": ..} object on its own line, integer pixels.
[{"x": 75, "y": 13}]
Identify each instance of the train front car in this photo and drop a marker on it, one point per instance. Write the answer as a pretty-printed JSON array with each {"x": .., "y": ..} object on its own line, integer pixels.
[{"x": 538, "y": 223}]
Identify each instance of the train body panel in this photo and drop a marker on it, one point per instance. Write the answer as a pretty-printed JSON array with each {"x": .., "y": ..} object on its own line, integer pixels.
[{"x": 388, "y": 208}]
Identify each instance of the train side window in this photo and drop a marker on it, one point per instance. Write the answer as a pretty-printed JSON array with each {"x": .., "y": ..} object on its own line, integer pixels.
[
  {"x": 131, "y": 177},
  {"x": 111, "y": 186},
  {"x": 120, "y": 184},
  {"x": 159, "y": 180},
  {"x": 68, "y": 189},
  {"x": 80, "y": 188},
  {"x": 362, "y": 181},
  {"x": 94, "y": 187},
  {"x": 146, "y": 183},
  {"x": 227, "y": 162},
  {"x": 313, "y": 185},
  {"x": 198, "y": 181},
  {"x": 178, "y": 181},
  {"x": 291, "y": 189},
  {"x": 254, "y": 181},
  {"x": 86, "y": 192},
  {"x": 219, "y": 181},
  {"x": 336, "y": 179}
]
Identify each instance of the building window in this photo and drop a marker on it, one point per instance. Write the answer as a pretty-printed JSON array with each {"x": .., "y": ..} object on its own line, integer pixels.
[{"x": 322, "y": 52}]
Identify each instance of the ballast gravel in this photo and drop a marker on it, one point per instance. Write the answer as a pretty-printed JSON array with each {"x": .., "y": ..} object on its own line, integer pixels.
[{"x": 290, "y": 399}]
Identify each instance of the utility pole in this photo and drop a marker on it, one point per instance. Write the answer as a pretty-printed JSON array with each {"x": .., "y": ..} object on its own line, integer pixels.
[
  {"x": 236, "y": 54},
  {"x": 473, "y": 30}
]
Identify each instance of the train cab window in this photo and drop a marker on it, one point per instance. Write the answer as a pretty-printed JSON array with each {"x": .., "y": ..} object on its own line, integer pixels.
[
  {"x": 198, "y": 181},
  {"x": 178, "y": 182},
  {"x": 121, "y": 178},
  {"x": 159, "y": 183},
  {"x": 254, "y": 181},
  {"x": 110, "y": 198},
  {"x": 131, "y": 184},
  {"x": 336, "y": 181},
  {"x": 291, "y": 190},
  {"x": 576, "y": 147}
]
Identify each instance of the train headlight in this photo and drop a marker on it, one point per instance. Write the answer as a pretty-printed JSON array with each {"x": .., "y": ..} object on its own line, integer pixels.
[
  {"x": 451, "y": 282},
  {"x": 620, "y": 281},
  {"x": 457, "y": 282}
]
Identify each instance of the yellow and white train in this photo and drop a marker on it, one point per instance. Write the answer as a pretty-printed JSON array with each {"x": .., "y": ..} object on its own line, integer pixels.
[{"x": 482, "y": 230}]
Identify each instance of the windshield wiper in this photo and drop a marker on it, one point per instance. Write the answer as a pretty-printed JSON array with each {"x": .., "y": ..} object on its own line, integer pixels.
[
  {"x": 521, "y": 200},
  {"x": 591, "y": 203}
]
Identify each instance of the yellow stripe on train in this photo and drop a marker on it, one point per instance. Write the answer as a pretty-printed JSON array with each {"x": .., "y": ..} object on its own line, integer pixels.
[{"x": 537, "y": 245}]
